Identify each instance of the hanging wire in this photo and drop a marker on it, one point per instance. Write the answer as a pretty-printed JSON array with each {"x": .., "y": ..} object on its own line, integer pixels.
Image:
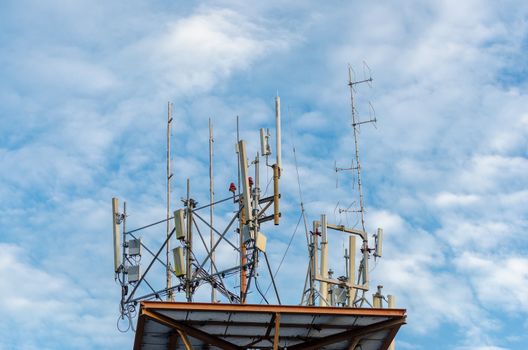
[
  {"x": 260, "y": 292},
  {"x": 284, "y": 255}
]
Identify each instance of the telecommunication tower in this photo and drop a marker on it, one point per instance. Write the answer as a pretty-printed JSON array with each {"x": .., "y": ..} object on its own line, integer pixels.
[
  {"x": 192, "y": 262},
  {"x": 348, "y": 290}
]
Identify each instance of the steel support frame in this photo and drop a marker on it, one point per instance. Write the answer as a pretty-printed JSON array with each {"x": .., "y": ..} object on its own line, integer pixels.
[
  {"x": 396, "y": 318},
  {"x": 350, "y": 335},
  {"x": 187, "y": 331}
]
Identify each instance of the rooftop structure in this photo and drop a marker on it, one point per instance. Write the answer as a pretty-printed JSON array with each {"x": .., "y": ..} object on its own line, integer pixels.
[
  {"x": 193, "y": 326},
  {"x": 188, "y": 261}
]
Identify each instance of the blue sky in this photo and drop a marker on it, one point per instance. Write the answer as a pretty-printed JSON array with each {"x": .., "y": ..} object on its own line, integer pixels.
[{"x": 83, "y": 93}]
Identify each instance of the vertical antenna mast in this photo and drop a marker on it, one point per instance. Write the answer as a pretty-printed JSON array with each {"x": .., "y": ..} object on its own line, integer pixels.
[
  {"x": 278, "y": 131},
  {"x": 211, "y": 208},
  {"x": 169, "y": 180},
  {"x": 355, "y": 126}
]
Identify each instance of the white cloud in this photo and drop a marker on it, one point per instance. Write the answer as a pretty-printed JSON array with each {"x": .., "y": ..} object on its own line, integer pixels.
[
  {"x": 444, "y": 174},
  {"x": 498, "y": 280},
  {"x": 446, "y": 199},
  {"x": 194, "y": 53},
  {"x": 33, "y": 297}
]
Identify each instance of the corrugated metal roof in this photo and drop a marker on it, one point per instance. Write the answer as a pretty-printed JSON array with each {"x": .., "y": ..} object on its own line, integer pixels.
[{"x": 169, "y": 325}]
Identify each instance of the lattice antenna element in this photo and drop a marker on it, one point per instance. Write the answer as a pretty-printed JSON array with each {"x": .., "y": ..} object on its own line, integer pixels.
[
  {"x": 355, "y": 125},
  {"x": 367, "y": 78},
  {"x": 348, "y": 290}
]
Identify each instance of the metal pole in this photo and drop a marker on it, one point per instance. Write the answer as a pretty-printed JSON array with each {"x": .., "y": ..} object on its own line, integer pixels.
[
  {"x": 276, "y": 195},
  {"x": 278, "y": 131},
  {"x": 351, "y": 268},
  {"x": 358, "y": 166},
  {"x": 170, "y": 296},
  {"x": 211, "y": 207},
  {"x": 315, "y": 252},
  {"x": 188, "y": 284},
  {"x": 243, "y": 260},
  {"x": 323, "y": 287}
]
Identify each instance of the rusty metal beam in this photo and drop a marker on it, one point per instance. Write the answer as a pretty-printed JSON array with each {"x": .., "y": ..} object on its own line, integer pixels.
[
  {"x": 193, "y": 332},
  {"x": 353, "y": 343},
  {"x": 283, "y": 309},
  {"x": 359, "y": 332},
  {"x": 390, "y": 338},
  {"x": 139, "y": 332},
  {"x": 173, "y": 341},
  {"x": 185, "y": 340},
  {"x": 277, "y": 331}
]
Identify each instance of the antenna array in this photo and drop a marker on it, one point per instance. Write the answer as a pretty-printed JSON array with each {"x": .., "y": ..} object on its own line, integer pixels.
[
  {"x": 192, "y": 262},
  {"x": 348, "y": 290},
  {"x": 193, "y": 256}
]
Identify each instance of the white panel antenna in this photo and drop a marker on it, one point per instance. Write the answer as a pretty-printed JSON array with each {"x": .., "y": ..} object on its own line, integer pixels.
[
  {"x": 261, "y": 242},
  {"x": 179, "y": 224},
  {"x": 179, "y": 261},
  {"x": 245, "y": 181},
  {"x": 379, "y": 243}
]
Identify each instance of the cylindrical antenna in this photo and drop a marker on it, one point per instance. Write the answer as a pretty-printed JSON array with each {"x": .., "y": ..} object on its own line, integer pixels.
[
  {"x": 116, "y": 231},
  {"x": 169, "y": 180},
  {"x": 323, "y": 287},
  {"x": 391, "y": 300},
  {"x": 276, "y": 194},
  {"x": 278, "y": 130},
  {"x": 377, "y": 298},
  {"x": 351, "y": 268},
  {"x": 211, "y": 207}
]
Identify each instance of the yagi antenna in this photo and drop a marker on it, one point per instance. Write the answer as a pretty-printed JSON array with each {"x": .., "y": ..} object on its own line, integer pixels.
[
  {"x": 372, "y": 115},
  {"x": 367, "y": 77}
]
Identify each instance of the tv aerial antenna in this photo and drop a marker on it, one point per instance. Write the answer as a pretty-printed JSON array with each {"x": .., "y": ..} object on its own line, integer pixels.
[
  {"x": 348, "y": 290},
  {"x": 356, "y": 124}
]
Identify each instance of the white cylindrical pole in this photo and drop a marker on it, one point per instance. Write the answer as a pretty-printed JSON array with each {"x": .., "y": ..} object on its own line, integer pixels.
[
  {"x": 315, "y": 263},
  {"x": 323, "y": 286},
  {"x": 211, "y": 207},
  {"x": 392, "y": 304},
  {"x": 278, "y": 130},
  {"x": 351, "y": 268}
]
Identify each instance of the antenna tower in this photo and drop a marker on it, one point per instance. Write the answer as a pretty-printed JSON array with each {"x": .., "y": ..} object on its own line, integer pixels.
[
  {"x": 193, "y": 262},
  {"x": 344, "y": 290}
]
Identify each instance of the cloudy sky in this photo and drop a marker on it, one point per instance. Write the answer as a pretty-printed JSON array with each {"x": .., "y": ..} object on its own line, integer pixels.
[{"x": 83, "y": 95}]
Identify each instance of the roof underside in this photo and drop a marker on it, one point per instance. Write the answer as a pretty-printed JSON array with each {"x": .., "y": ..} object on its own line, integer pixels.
[{"x": 173, "y": 325}]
